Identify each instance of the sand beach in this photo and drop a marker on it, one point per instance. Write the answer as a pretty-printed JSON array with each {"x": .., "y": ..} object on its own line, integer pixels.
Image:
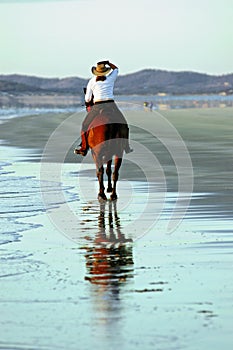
[{"x": 152, "y": 270}]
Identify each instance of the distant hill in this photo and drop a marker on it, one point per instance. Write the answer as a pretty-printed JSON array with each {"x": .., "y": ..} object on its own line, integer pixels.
[
  {"x": 147, "y": 81},
  {"x": 150, "y": 81},
  {"x": 25, "y": 83},
  {"x": 16, "y": 87}
]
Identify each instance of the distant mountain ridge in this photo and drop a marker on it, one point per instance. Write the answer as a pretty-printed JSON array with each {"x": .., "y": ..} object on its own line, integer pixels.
[
  {"x": 147, "y": 81},
  {"x": 24, "y": 83}
]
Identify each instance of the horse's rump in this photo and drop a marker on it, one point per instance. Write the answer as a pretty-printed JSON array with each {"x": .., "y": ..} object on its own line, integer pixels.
[{"x": 105, "y": 137}]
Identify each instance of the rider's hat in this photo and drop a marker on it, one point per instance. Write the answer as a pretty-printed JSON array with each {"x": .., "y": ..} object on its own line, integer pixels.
[{"x": 100, "y": 69}]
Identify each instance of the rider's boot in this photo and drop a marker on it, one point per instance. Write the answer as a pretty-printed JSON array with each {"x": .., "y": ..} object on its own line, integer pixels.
[
  {"x": 128, "y": 149},
  {"x": 84, "y": 145}
]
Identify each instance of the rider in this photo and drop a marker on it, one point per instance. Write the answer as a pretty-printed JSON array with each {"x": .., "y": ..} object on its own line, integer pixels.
[{"x": 100, "y": 91}]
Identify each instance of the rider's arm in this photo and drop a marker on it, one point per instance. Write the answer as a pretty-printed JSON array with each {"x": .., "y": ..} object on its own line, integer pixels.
[
  {"x": 89, "y": 92},
  {"x": 111, "y": 65}
]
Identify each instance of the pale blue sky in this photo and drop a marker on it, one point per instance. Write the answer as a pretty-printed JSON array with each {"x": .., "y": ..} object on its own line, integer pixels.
[{"x": 65, "y": 38}]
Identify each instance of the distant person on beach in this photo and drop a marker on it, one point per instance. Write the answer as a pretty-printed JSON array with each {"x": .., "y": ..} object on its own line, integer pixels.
[
  {"x": 99, "y": 96},
  {"x": 145, "y": 104},
  {"x": 148, "y": 106}
]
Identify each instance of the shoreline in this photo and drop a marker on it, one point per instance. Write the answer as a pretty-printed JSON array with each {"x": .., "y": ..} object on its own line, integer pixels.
[{"x": 160, "y": 101}]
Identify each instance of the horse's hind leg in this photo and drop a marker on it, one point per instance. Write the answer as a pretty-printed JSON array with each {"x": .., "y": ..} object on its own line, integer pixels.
[
  {"x": 115, "y": 176},
  {"x": 109, "y": 174},
  {"x": 100, "y": 176}
]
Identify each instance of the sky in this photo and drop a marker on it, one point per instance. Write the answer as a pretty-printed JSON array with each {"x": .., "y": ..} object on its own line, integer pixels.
[{"x": 63, "y": 38}]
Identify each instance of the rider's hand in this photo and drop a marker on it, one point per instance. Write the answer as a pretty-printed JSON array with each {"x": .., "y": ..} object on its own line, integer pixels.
[{"x": 103, "y": 62}]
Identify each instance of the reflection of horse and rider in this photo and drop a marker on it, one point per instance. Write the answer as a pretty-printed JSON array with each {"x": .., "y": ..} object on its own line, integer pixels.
[
  {"x": 109, "y": 260},
  {"x": 99, "y": 98},
  {"x": 104, "y": 130}
]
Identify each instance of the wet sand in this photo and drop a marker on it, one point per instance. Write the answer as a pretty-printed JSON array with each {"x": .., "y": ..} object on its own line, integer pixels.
[{"x": 78, "y": 275}]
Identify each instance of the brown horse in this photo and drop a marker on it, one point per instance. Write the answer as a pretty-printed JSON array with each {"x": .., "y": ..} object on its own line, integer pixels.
[{"x": 107, "y": 143}]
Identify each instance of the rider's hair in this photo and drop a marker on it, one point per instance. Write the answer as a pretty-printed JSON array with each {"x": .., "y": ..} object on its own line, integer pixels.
[{"x": 100, "y": 78}]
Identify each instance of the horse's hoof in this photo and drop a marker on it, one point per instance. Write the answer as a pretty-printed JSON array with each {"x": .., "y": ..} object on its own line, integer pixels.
[
  {"x": 109, "y": 189},
  {"x": 113, "y": 197}
]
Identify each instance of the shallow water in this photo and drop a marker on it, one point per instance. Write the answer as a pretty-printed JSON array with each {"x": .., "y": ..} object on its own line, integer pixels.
[{"x": 78, "y": 274}]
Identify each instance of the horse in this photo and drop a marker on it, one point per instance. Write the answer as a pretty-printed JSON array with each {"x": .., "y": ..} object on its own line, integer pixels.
[{"x": 107, "y": 143}]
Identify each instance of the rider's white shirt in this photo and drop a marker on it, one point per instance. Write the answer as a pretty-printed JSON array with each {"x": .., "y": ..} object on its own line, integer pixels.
[{"x": 102, "y": 90}]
